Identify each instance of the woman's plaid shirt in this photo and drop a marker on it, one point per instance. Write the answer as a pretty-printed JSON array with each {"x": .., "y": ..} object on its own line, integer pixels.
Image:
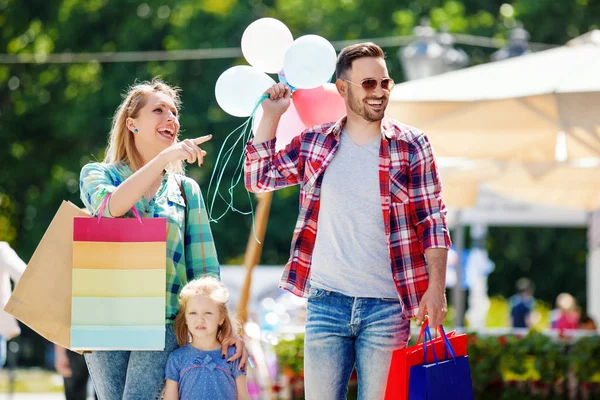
[{"x": 410, "y": 187}]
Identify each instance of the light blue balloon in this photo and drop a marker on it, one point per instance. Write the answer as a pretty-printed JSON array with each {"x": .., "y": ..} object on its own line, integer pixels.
[{"x": 283, "y": 80}]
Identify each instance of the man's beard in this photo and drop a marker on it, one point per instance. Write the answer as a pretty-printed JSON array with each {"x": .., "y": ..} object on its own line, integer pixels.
[{"x": 360, "y": 108}]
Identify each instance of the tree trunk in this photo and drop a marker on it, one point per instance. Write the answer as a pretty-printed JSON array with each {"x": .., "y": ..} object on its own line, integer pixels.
[{"x": 253, "y": 251}]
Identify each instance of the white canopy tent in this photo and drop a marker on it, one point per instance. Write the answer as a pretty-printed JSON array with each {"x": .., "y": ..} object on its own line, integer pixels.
[
  {"x": 538, "y": 107},
  {"x": 538, "y": 110},
  {"x": 574, "y": 185}
]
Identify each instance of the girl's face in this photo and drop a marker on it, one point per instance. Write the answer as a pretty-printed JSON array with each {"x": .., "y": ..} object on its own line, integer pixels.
[
  {"x": 157, "y": 124},
  {"x": 203, "y": 317}
]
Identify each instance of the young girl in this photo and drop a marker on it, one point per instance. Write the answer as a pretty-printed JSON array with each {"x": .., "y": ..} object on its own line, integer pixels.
[
  {"x": 144, "y": 168},
  {"x": 196, "y": 370}
]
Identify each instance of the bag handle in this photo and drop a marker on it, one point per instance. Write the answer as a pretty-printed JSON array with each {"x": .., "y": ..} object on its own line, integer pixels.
[
  {"x": 428, "y": 334},
  {"x": 182, "y": 190},
  {"x": 423, "y": 325},
  {"x": 104, "y": 204},
  {"x": 448, "y": 346}
]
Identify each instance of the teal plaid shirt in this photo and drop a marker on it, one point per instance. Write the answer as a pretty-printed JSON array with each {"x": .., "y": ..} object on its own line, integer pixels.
[{"x": 187, "y": 259}]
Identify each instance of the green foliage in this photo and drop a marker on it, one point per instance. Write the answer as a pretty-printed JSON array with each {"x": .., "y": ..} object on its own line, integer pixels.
[
  {"x": 585, "y": 358},
  {"x": 553, "y": 258},
  {"x": 484, "y": 357},
  {"x": 549, "y": 360},
  {"x": 290, "y": 355},
  {"x": 557, "y": 21}
]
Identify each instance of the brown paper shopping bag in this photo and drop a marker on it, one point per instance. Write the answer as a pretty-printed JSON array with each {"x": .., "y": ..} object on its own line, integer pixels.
[{"x": 42, "y": 298}]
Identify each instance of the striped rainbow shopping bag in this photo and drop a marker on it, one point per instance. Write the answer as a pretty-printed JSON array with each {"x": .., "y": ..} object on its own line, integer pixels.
[{"x": 118, "y": 283}]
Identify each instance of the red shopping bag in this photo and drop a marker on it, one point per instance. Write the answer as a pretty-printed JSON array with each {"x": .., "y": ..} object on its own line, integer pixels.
[{"x": 403, "y": 359}]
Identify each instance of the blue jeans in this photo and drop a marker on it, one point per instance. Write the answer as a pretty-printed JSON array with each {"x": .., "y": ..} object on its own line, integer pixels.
[
  {"x": 343, "y": 332},
  {"x": 2, "y": 351},
  {"x": 131, "y": 375}
]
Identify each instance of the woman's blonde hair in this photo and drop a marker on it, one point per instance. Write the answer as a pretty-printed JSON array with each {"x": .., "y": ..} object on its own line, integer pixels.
[
  {"x": 216, "y": 291},
  {"x": 121, "y": 145}
]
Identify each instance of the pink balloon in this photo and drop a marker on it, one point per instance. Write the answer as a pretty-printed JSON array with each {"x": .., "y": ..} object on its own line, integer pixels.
[
  {"x": 319, "y": 105},
  {"x": 290, "y": 126}
]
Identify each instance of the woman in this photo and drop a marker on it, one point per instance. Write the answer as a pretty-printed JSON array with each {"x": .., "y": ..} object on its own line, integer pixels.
[
  {"x": 143, "y": 168},
  {"x": 11, "y": 268}
]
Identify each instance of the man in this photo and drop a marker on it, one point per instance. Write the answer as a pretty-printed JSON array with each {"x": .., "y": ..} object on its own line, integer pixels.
[
  {"x": 521, "y": 304},
  {"x": 370, "y": 245}
]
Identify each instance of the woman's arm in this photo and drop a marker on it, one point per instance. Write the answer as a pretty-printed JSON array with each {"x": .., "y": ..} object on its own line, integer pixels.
[
  {"x": 171, "y": 390},
  {"x": 240, "y": 351},
  {"x": 129, "y": 192},
  {"x": 241, "y": 388},
  {"x": 133, "y": 188}
]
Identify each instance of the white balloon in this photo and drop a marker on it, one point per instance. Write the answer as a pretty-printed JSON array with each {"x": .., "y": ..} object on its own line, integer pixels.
[
  {"x": 265, "y": 42},
  {"x": 238, "y": 89},
  {"x": 309, "y": 62}
]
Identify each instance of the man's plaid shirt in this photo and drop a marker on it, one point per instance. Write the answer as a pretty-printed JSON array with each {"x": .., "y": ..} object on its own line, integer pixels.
[{"x": 413, "y": 212}]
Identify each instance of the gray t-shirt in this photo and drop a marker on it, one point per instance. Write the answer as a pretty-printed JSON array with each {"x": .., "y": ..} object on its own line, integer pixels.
[
  {"x": 203, "y": 374},
  {"x": 351, "y": 255}
]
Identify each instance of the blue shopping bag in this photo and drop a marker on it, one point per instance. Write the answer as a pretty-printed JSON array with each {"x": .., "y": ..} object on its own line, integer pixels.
[{"x": 441, "y": 380}]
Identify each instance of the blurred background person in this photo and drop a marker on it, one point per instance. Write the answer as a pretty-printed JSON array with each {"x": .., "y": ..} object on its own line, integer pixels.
[
  {"x": 74, "y": 371},
  {"x": 566, "y": 314},
  {"x": 11, "y": 268},
  {"x": 521, "y": 304},
  {"x": 587, "y": 323},
  {"x": 478, "y": 268}
]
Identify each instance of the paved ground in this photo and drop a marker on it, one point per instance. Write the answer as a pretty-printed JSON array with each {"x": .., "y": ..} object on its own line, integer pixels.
[{"x": 30, "y": 396}]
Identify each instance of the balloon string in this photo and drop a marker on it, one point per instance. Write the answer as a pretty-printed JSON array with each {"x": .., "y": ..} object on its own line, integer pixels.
[{"x": 227, "y": 156}]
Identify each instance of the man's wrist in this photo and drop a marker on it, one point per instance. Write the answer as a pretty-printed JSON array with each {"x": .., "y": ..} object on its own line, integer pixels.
[{"x": 437, "y": 286}]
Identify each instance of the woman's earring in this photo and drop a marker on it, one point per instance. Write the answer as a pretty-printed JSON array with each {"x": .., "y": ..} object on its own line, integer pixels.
[{"x": 135, "y": 130}]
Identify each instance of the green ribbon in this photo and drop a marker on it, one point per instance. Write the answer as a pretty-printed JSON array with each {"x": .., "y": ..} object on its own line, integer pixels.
[{"x": 225, "y": 157}]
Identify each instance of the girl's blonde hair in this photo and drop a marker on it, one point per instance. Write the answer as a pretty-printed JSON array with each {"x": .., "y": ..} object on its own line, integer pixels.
[
  {"x": 216, "y": 291},
  {"x": 566, "y": 302},
  {"x": 121, "y": 146}
]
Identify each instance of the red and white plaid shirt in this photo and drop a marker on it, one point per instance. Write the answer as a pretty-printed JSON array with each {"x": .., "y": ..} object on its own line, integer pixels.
[{"x": 413, "y": 212}]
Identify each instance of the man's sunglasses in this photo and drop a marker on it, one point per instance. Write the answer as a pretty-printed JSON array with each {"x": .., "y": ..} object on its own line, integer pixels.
[{"x": 371, "y": 84}]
